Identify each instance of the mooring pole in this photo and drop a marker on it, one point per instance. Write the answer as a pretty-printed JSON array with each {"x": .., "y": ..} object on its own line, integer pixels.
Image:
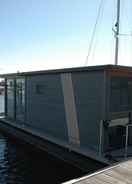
[{"x": 117, "y": 31}]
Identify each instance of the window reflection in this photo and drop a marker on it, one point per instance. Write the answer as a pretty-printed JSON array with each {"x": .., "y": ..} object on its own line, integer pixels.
[
  {"x": 10, "y": 98},
  {"x": 20, "y": 99}
]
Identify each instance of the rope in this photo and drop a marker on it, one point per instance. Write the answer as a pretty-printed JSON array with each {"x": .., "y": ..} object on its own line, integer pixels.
[{"x": 94, "y": 31}]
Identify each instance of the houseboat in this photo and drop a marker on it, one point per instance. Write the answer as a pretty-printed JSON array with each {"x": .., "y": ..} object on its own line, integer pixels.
[{"x": 86, "y": 111}]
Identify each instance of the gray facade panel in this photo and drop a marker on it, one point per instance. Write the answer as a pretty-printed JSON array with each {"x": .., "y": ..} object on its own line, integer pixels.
[
  {"x": 89, "y": 95},
  {"x": 121, "y": 94},
  {"x": 45, "y": 106}
]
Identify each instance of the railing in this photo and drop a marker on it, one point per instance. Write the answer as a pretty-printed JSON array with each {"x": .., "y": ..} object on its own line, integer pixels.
[{"x": 127, "y": 141}]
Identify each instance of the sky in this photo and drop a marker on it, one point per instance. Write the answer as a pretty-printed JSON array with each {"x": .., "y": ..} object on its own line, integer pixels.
[{"x": 49, "y": 34}]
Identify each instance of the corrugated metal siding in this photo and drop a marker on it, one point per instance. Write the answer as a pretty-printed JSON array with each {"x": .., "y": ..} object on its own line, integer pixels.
[
  {"x": 89, "y": 94},
  {"x": 45, "y": 111}
]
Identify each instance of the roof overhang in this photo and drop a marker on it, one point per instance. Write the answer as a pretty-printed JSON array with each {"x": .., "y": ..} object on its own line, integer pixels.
[{"x": 66, "y": 70}]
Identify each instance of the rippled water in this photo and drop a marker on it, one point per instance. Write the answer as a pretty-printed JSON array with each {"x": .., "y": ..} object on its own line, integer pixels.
[{"x": 20, "y": 164}]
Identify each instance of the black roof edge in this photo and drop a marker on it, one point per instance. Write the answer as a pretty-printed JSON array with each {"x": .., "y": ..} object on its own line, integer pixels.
[{"x": 64, "y": 70}]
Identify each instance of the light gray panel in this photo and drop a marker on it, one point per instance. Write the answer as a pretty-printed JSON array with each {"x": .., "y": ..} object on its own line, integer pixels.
[
  {"x": 70, "y": 109},
  {"x": 89, "y": 98}
]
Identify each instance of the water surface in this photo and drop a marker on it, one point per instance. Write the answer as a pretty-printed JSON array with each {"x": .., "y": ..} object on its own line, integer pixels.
[{"x": 22, "y": 164}]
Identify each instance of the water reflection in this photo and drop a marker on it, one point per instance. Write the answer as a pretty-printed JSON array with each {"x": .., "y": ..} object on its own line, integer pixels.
[
  {"x": 20, "y": 164},
  {"x": 3, "y": 161}
]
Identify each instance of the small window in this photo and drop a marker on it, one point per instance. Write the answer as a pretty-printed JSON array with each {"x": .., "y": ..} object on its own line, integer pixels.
[{"x": 40, "y": 89}]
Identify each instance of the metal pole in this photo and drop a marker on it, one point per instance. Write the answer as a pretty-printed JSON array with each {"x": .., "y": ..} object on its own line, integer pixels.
[
  {"x": 117, "y": 26},
  {"x": 5, "y": 114},
  {"x": 126, "y": 142}
]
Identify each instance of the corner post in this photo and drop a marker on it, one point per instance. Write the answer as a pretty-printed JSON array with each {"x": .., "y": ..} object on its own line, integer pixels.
[{"x": 100, "y": 137}]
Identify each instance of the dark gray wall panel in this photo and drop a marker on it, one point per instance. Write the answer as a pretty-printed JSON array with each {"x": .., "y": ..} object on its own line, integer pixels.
[
  {"x": 89, "y": 95},
  {"x": 45, "y": 107},
  {"x": 121, "y": 94}
]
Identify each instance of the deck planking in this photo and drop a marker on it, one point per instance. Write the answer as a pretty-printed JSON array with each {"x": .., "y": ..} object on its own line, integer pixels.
[{"x": 118, "y": 174}]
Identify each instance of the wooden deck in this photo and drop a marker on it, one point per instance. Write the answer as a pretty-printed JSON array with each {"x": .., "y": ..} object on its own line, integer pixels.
[{"x": 120, "y": 174}]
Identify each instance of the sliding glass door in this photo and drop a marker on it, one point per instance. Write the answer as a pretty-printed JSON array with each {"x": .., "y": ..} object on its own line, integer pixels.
[
  {"x": 20, "y": 99},
  {"x": 10, "y": 98},
  {"x": 15, "y": 105}
]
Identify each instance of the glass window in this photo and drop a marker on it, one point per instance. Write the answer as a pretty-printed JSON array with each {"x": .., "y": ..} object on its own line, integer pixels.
[
  {"x": 40, "y": 88},
  {"x": 2, "y": 97},
  {"x": 121, "y": 94},
  {"x": 20, "y": 99},
  {"x": 10, "y": 98}
]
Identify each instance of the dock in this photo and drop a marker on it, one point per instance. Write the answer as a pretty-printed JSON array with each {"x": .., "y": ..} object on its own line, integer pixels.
[{"x": 120, "y": 173}]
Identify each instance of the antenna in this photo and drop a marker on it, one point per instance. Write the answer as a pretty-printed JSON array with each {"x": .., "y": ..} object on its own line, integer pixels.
[{"x": 117, "y": 32}]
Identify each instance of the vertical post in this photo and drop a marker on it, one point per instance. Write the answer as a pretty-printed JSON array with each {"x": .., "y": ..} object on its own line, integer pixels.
[
  {"x": 126, "y": 141},
  {"x": 14, "y": 99},
  {"x": 25, "y": 99},
  {"x": 117, "y": 25},
  {"x": 100, "y": 137},
  {"x": 5, "y": 98}
]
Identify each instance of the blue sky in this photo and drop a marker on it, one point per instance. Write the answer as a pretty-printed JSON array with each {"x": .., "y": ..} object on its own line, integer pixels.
[{"x": 43, "y": 34}]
